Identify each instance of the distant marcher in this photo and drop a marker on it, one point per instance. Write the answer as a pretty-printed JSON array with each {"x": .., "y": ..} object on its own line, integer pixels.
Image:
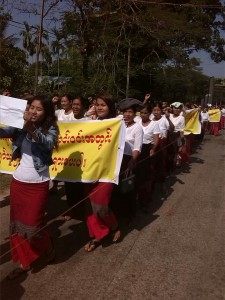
[
  {"x": 56, "y": 101},
  {"x": 66, "y": 112},
  {"x": 214, "y": 126},
  {"x": 63, "y": 114},
  {"x": 132, "y": 151},
  {"x": 75, "y": 190},
  {"x": 146, "y": 162},
  {"x": 223, "y": 117},
  {"x": 177, "y": 140},
  {"x": 91, "y": 113},
  {"x": 161, "y": 157},
  {"x": 6, "y": 92}
]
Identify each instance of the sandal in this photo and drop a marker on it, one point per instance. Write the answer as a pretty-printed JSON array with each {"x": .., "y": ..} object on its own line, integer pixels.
[
  {"x": 116, "y": 235},
  {"x": 17, "y": 272},
  {"x": 92, "y": 245}
]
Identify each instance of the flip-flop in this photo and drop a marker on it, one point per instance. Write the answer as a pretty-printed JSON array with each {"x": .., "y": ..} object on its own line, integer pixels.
[{"x": 17, "y": 272}]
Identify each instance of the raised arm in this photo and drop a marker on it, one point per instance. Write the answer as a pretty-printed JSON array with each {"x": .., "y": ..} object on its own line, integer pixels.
[{"x": 7, "y": 132}]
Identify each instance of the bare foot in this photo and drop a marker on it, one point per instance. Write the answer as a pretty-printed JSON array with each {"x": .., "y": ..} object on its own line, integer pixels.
[
  {"x": 92, "y": 245},
  {"x": 116, "y": 236}
]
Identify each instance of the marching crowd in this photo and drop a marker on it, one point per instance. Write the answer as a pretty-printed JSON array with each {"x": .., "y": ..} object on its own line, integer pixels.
[{"x": 155, "y": 145}]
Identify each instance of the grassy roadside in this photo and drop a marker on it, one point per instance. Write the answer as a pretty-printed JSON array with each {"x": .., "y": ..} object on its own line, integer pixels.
[{"x": 5, "y": 180}]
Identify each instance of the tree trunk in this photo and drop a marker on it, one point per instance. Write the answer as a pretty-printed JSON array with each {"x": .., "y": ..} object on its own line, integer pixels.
[
  {"x": 128, "y": 72},
  {"x": 38, "y": 48}
]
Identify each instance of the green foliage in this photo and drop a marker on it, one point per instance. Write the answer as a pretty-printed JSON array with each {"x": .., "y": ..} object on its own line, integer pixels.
[
  {"x": 13, "y": 61},
  {"x": 159, "y": 36},
  {"x": 92, "y": 45}
]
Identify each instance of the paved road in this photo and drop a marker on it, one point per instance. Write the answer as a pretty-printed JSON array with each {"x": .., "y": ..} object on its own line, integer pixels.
[{"x": 175, "y": 252}]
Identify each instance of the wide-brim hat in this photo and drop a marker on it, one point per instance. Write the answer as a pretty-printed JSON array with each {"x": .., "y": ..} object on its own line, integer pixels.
[
  {"x": 129, "y": 102},
  {"x": 177, "y": 105}
]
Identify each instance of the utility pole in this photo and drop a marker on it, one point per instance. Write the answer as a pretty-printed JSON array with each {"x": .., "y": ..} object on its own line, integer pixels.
[
  {"x": 38, "y": 47},
  {"x": 211, "y": 89}
]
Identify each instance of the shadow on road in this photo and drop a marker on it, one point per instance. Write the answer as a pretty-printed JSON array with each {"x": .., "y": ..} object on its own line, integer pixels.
[
  {"x": 70, "y": 236},
  {"x": 12, "y": 289},
  {"x": 4, "y": 202}
]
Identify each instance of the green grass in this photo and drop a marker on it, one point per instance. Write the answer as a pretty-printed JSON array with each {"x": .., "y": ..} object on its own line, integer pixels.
[{"x": 5, "y": 180}]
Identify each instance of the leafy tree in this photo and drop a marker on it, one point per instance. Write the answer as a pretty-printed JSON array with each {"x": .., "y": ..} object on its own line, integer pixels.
[
  {"x": 12, "y": 60},
  {"x": 154, "y": 34},
  {"x": 28, "y": 42},
  {"x": 130, "y": 47}
]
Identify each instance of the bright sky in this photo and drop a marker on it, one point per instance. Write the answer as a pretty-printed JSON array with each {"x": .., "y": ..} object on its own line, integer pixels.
[{"x": 209, "y": 67}]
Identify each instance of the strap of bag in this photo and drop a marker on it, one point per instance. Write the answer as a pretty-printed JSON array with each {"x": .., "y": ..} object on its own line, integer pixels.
[{"x": 127, "y": 173}]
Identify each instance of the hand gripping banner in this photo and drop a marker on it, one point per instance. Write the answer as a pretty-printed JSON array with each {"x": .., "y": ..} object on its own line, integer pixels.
[{"x": 87, "y": 151}]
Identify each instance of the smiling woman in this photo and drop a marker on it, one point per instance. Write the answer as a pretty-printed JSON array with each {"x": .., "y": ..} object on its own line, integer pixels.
[{"x": 101, "y": 221}]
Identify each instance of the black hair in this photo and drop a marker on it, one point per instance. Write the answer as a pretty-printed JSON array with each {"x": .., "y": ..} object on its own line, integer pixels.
[
  {"x": 134, "y": 107},
  {"x": 50, "y": 118},
  {"x": 158, "y": 104},
  {"x": 147, "y": 106},
  {"x": 68, "y": 96},
  {"x": 108, "y": 99},
  {"x": 82, "y": 100}
]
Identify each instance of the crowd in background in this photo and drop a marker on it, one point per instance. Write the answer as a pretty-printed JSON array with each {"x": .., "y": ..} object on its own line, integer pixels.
[{"x": 155, "y": 146}]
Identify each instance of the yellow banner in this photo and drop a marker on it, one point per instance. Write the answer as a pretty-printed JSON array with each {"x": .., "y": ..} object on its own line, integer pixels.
[
  {"x": 214, "y": 115},
  {"x": 87, "y": 151},
  {"x": 192, "y": 123}
]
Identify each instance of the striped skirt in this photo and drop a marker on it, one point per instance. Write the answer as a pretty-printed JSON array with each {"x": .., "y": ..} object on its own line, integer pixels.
[{"x": 27, "y": 208}]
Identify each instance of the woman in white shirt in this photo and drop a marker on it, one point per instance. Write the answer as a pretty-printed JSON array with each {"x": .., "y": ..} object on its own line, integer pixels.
[
  {"x": 74, "y": 190},
  {"x": 165, "y": 126},
  {"x": 222, "y": 117},
  {"x": 204, "y": 119},
  {"x": 133, "y": 145},
  {"x": 177, "y": 138},
  {"x": 66, "y": 113},
  {"x": 146, "y": 165}
]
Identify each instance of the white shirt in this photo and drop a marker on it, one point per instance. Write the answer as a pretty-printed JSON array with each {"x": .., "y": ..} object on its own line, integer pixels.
[
  {"x": 133, "y": 139},
  {"x": 81, "y": 119},
  {"x": 26, "y": 172},
  {"x": 137, "y": 119},
  {"x": 60, "y": 113},
  {"x": 164, "y": 126},
  {"x": 223, "y": 112},
  {"x": 178, "y": 122},
  {"x": 204, "y": 116},
  {"x": 149, "y": 131},
  {"x": 120, "y": 117}
]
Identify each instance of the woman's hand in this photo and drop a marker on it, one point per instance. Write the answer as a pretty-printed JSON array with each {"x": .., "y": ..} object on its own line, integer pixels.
[
  {"x": 29, "y": 127},
  {"x": 152, "y": 152},
  {"x": 181, "y": 149},
  {"x": 167, "y": 113},
  {"x": 131, "y": 164}
]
